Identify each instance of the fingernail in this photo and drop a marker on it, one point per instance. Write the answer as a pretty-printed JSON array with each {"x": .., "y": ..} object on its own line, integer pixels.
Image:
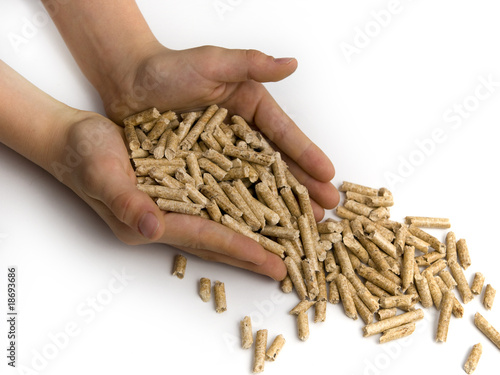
[
  {"x": 148, "y": 225},
  {"x": 284, "y": 60}
]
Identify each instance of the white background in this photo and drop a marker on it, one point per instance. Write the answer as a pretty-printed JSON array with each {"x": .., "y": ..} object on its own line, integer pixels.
[{"x": 368, "y": 112}]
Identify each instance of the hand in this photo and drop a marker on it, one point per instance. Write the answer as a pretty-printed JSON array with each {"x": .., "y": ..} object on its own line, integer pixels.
[
  {"x": 195, "y": 78},
  {"x": 94, "y": 163}
]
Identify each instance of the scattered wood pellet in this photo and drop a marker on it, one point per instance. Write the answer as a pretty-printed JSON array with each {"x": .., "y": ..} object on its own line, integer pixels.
[
  {"x": 473, "y": 358},
  {"x": 444, "y": 316},
  {"x": 463, "y": 253},
  {"x": 397, "y": 332},
  {"x": 489, "y": 297},
  {"x": 246, "y": 332},
  {"x": 220, "y": 297},
  {"x": 487, "y": 329},
  {"x": 205, "y": 290},
  {"x": 180, "y": 262},
  {"x": 477, "y": 283},
  {"x": 260, "y": 350},
  {"x": 275, "y": 348},
  {"x": 303, "y": 325},
  {"x": 227, "y": 172}
]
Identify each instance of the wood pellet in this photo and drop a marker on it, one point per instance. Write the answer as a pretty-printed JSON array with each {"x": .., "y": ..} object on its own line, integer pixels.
[{"x": 197, "y": 164}]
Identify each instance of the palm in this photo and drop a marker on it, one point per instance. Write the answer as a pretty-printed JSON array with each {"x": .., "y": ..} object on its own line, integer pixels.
[{"x": 195, "y": 78}]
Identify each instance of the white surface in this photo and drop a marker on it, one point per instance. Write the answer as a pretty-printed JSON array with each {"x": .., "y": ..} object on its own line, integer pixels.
[{"x": 366, "y": 114}]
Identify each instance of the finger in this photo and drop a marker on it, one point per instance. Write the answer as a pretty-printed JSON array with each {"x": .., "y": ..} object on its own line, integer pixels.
[
  {"x": 129, "y": 205},
  {"x": 324, "y": 193},
  {"x": 253, "y": 102},
  {"x": 197, "y": 233},
  {"x": 273, "y": 266},
  {"x": 238, "y": 65}
]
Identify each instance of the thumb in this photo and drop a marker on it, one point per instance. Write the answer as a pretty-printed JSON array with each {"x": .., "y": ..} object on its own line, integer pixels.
[
  {"x": 131, "y": 206},
  {"x": 236, "y": 65}
]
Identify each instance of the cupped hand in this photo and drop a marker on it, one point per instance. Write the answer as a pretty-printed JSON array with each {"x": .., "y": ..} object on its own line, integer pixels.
[
  {"x": 195, "y": 78},
  {"x": 94, "y": 163}
]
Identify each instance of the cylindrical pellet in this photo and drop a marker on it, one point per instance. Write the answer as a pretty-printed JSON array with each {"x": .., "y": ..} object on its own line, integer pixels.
[
  {"x": 473, "y": 358},
  {"x": 477, "y": 283},
  {"x": 260, "y": 350},
  {"x": 489, "y": 297},
  {"x": 395, "y": 321},
  {"x": 246, "y": 332},
  {"x": 179, "y": 266},
  {"x": 220, "y": 297},
  {"x": 487, "y": 329},
  {"x": 444, "y": 316},
  {"x": 303, "y": 326},
  {"x": 463, "y": 253},
  {"x": 275, "y": 348},
  {"x": 205, "y": 289}
]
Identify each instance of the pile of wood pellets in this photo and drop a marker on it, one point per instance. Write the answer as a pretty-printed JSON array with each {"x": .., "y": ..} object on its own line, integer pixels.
[{"x": 377, "y": 268}]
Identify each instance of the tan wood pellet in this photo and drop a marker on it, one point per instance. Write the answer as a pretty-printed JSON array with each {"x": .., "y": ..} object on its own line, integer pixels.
[
  {"x": 444, "y": 317},
  {"x": 149, "y": 114},
  {"x": 356, "y": 188},
  {"x": 220, "y": 297},
  {"x": 433, "y": 241},
  {"x": 344, "y": 213},
  {"x": 451, "y": 246},
  {"x": 179, "y": 207},
  {"x": 296, "y": 277},
  {"x": 473, "y": 358},
  {"x": 286, "y": 285},
  {"x": 395, "y": 321},
  {"x": 310, "y": 279},
  {"x": 423, "y": 290},
  {"x": 397, "y": 332},
  {"x": 194, "y": 169},
  {"x": 386, "y": 313},
  {"x": 477, "y": 283},
  {"x": 462, "y": 284},
  {"x": 158, "y": 191},
  {"x": 205, "y": 290},
  {"x": 408, "y": 267},
  {"x": 275, "y": 348},
  {"x": 448, "y": 279},
  {"x": 379, "y": 213},
  {"x": 246, "y": 332},
  {"x": 384, "y": 244},
  {"x": 260, "y": 351},
  {"x": 436, "y": 294},
  {"x": 358, "y": 208},
  {"x": 362, "y": 310},
  {"x": 376, "y": 278},
  {"x": 180, "y": 262},
  {"x": 303, "y": 325},
  {"x": 428, "y": 222},
  {"x": 463, "y": 254},
  {"x": 489, "y": 297},
  {"x": 436, "y": 267},
  {"x": 487, "y": 329},
  {"x": 194, "y": 133},
  {"x": 400, "y": 240},
  {"x": 280, "y": 232},
  {"x": 427, "y": 259},
  {"x": 346, "y": 297}
]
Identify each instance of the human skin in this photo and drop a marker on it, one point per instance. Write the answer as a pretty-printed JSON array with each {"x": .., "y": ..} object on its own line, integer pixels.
[{"x": 132, "y": 71}]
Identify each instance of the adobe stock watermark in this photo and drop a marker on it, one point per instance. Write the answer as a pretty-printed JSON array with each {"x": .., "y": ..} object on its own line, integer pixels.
[
  {"x": 86, "y": 311},
  {"x": 454, "y": 117},
  {"x": 365, "y": 34},
  {"x": 128, "y": 102},
  {"x": 74, "y": 155},
  {"x": 221, "y": 7},
  {"x": 263, "y": 309},
  {"x": 30, "y": 26}
]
